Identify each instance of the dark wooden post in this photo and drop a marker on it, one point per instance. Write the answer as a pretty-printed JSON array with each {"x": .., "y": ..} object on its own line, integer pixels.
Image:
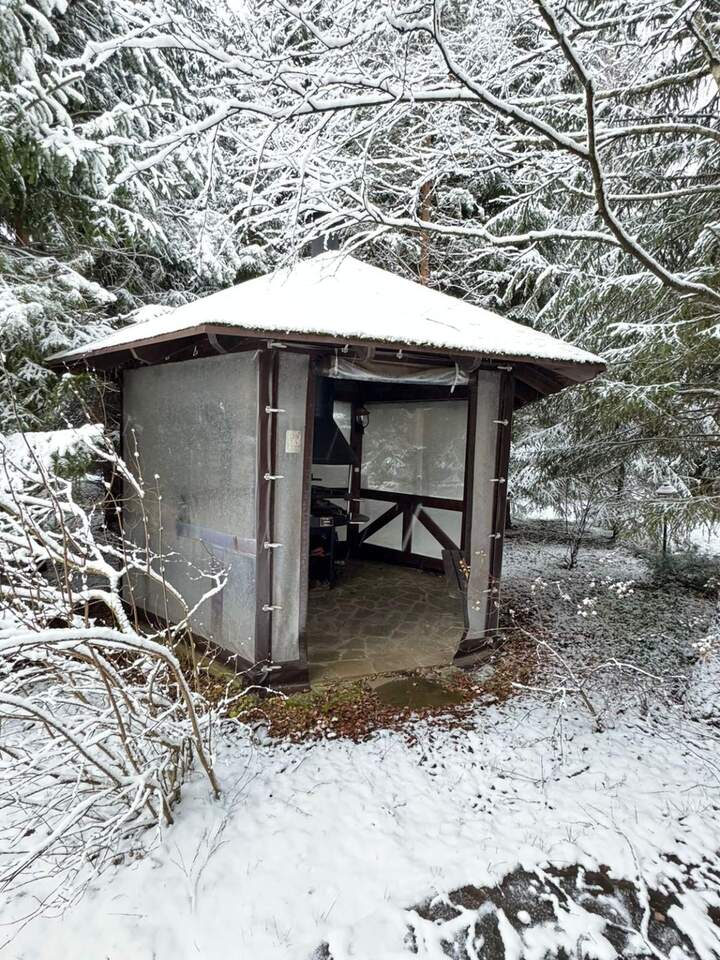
[
  {"x": 356, "y": 440},
  {"x": 502, "y": 463},
  {"x": 469, "y": 465},
  {"x": 265, "y": 458}
]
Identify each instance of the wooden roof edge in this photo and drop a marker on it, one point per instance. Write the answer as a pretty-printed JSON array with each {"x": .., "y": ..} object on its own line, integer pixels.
[{"x": 139, "y": 352}]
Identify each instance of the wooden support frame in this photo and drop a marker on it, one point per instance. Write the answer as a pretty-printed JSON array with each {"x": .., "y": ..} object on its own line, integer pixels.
[
  {"x": 502, "y": 464},
  {"x": 266, "y": 437},
  {"x": 410, "y": 507},
  {"x": 356, "y": 444},
  {"x": 469, "y": 464},
  {"x": 436, "y": 530},
  {"x": 472, "y": 648},
  {"x": 412, "y": 499},
  {"x": 382, "y": 521},
  {"x": 302, "y": 664}
]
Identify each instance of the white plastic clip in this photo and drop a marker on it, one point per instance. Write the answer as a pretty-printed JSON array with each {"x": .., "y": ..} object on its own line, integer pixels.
[
  {"x": 271, "y": 546},
  {"x": 267, "y": 607},
  {"x": 274, "y": 345},
  {"x": 274, "y": 476},
  {"x": 503, "y": 423},
  {"x": 496, "y": 536},
  {"x": 504, "y": 368},
  {"x": 498, "y": 480},
  {"x": 274, "y": 410}
]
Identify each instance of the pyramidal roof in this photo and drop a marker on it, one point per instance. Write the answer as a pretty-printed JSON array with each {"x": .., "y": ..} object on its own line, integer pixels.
[{"x": 340, "y": 299}]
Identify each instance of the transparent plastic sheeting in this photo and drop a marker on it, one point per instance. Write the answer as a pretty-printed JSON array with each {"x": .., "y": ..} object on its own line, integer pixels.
[
  {"x": 416, "y": 448},
  {"x": 341, "y": 368},
  {"x": 288, "y": 521},
  {"x": 481, "y": 529},
  {"x": 195, "y": 426}
]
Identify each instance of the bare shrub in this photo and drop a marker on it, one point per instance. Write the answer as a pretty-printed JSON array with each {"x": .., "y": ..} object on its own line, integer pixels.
[{"x": 98, "y": 724}]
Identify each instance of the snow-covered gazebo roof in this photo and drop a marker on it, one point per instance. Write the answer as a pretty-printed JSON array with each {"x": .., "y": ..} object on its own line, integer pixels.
[{"x": 336, "y": 299}]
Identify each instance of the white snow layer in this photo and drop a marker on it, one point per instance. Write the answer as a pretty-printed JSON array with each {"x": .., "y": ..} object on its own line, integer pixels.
[
  {"x": 20, "y": 451},
  {"x": 339, "y": 296},
  {"x": 336, "y": 841}
]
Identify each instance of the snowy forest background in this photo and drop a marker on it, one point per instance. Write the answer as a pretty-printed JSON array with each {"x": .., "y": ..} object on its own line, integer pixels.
[
  {"x": 557, "y": 164},
  {"x": 559, "y": 168}
]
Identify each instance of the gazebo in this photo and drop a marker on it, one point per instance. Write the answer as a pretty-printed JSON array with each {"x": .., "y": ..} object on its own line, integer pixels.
[{"x": 337, "y": 438}]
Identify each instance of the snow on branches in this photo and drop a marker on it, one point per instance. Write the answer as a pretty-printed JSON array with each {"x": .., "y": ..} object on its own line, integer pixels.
[{"x": 99, "y": 723}]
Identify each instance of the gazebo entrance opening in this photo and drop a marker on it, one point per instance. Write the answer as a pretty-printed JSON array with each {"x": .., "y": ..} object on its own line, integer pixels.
[{"x": 386, "y": 518}]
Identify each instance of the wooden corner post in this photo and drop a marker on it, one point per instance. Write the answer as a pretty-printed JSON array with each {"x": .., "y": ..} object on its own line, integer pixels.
[
  {"x": 267, "y": 374},
  {"x": 502, "y": 465}
]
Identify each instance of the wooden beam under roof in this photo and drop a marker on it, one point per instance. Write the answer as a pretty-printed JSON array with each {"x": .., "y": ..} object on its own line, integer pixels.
[{"x": 203, "y": 340}]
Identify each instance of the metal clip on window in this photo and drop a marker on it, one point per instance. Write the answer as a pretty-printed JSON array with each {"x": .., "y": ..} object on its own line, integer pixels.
[
  {"x": 274, "y": 476},
  {"x": 267, "y": 607},
  {"x": 271, "y": 546}
]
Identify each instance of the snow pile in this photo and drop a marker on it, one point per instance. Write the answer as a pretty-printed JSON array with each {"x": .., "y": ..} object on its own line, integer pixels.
[{"x": 332, "y": 843}]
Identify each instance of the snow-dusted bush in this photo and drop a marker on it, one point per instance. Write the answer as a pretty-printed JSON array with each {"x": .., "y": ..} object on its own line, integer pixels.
[
  {"x": 691, "y": 568},
  {"x": 98, "y": 723}
]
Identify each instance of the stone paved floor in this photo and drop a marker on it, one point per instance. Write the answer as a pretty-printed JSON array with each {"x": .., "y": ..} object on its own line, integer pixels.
[{"x": 380, "y": 618}]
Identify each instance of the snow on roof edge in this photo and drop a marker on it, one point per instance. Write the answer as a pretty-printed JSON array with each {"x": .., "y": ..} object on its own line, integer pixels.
[{"x": 346, "y": 300}]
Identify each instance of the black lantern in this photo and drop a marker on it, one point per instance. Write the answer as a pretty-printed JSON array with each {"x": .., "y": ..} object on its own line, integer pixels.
[{"x": 362, "y": 418}]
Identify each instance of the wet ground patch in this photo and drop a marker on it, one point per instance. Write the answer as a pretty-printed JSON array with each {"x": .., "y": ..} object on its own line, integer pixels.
[{"x": 356, "y": 710}]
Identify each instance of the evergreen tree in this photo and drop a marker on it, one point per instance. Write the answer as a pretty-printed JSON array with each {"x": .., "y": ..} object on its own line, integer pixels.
[{"x": 79, "y": 245}]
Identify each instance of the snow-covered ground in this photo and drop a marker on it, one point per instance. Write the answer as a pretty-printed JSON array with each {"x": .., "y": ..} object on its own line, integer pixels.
[
  {"x": 335, "y": 849},
  {"x": 334, "y": 842}
]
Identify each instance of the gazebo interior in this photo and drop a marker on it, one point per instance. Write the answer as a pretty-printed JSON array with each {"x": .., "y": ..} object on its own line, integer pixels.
[{"x": 387, "y": 498}]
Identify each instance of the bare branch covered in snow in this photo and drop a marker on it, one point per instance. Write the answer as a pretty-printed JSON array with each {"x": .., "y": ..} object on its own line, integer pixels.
[
  {"x": 346, "y": 112},
  {"x": 99, "y": 725}
]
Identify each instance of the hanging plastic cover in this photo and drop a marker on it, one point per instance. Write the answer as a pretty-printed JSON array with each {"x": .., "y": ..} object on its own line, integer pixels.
[{"x": 341, "y": 368}]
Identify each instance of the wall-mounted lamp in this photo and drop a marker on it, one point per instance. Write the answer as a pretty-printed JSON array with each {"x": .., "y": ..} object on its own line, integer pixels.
[{"x": 362, "y": 418}]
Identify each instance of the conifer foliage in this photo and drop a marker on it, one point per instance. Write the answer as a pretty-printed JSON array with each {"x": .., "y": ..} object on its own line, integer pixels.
[
  {"x": 77, "y": 246},
  {"x": 557, "y": 163}
]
